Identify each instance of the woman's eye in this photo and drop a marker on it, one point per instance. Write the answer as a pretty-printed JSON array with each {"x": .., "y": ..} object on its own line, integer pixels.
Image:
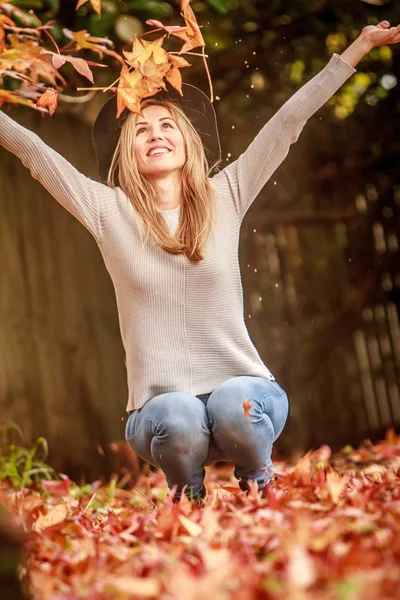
[
  {"x": 167, "y": 124},
  {"x": 140, "y": 130}
]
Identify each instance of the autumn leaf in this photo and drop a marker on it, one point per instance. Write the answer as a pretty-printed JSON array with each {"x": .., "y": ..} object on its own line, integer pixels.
[
  {"x": 9, "y": 97},
  {"x": 84, "y": 41},
  {"x": 96, "y": 5},
  {"x": 167, "y": 28},
  {"x": 80, "y": 65},
  {"x": 143, "y": 50},
  {"x": 194, "y": 529},
  {"x": 191, "y": 35},
  {"x": 55, "y": 516},
  {"x": 62, "y": 487},
  {"x": 247, "y": 404},
  {"x": 49, "y": 100},
  {"x": 131, "y": 90},
  {"x": 4, "y": 20}
]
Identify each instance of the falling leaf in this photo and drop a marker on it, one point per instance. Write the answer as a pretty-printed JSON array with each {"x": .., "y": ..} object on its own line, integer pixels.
[{"x": 191, "y": 35}]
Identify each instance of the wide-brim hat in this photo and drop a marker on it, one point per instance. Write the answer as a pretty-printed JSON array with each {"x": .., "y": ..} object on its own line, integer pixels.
[{"x": 196, "y": 106}]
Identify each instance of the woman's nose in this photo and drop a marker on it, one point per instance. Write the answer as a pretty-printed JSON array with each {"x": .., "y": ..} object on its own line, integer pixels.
[{"x": 155, "y": 135}]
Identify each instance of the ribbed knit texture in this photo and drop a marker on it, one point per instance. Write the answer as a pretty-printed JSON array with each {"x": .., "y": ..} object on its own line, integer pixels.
[{"x": 182, "y": 324}]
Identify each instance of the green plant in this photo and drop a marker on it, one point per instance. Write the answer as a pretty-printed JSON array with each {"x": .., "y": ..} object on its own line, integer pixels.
[{"x": 19, "y": 465}]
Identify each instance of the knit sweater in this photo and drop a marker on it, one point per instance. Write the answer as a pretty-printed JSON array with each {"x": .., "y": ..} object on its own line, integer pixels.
[{"x": 182, "y": 323}]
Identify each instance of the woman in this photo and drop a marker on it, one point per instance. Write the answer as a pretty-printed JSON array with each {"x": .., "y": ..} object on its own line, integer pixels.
[{"x": 169, "y": 237}]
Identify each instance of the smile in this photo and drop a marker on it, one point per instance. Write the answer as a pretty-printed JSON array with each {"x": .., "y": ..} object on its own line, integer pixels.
[{"x": 158, "y": 152}]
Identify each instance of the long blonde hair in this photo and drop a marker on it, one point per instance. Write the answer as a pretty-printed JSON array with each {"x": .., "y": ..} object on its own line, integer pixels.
[{"x": 198, "y": 211}]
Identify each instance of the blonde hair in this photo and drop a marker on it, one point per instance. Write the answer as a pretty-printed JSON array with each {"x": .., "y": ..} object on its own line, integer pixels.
[{"x": 198, "y": 211}]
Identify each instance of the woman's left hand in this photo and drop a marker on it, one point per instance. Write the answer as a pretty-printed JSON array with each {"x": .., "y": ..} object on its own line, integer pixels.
[{"x": 381, "y": 34}]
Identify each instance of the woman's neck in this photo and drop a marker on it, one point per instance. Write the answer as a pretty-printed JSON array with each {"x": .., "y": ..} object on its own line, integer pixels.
[{"x": 169, "y": 190}]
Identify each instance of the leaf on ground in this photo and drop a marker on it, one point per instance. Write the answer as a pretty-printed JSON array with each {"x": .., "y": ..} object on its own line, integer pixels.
[{"x": 55, "y": 516}]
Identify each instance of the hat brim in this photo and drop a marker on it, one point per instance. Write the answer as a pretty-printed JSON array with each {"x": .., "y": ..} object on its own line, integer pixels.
[{"x": 196, "y": 106}]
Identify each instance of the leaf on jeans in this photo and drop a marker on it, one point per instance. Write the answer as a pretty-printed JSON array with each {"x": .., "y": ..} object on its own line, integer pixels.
[{"x": 247, "y": 404}]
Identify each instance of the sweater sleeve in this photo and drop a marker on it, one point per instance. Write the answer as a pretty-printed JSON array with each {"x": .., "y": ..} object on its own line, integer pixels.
[
  {"x": 242, "y": 180},
  {"x": 87, "y": 200}
]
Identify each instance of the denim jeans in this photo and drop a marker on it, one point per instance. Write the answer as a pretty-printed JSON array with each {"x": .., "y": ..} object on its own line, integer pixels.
[{"x": 182, "y": 434}]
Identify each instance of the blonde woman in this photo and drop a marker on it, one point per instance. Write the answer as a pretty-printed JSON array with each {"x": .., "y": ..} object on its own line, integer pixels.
[{"x": 169, "y": 234}]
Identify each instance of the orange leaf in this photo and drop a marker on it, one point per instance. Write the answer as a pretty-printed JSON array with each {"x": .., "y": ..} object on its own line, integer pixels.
[
  {"x": 154, "y": 73},
  {"x": 179, "y": 61},
  {"x": 174, "y": 77},
  {"x": 49, "y": 100},
  {"x": 85, "y": 41},
  {"x": 7, "y": 96},
  {"x": 142, "y": 51},
  {"x": 132, "y": 88},
  {"x": 246, "y": 407},
  {"x": 96, "y": 5},
  {"x": 192, "y": 34}
]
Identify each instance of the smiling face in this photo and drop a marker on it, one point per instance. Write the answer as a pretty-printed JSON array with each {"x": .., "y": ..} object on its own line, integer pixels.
[{"x": 158, "y": 144}]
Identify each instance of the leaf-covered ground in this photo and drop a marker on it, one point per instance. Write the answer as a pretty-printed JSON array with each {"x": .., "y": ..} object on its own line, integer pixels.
[{"x": 329, "y": 528}]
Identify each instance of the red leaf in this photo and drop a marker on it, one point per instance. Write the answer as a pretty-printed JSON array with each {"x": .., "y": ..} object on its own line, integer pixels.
[{"x": 56, "y": 487}]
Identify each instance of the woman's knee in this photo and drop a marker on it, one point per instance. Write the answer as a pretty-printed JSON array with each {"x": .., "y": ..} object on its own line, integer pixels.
[
  {"x": 182, "y": 417},
  {"x": 248, "y": 399}
]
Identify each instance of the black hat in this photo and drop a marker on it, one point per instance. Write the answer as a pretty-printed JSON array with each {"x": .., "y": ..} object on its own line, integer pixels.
[{"x": 195, "y": 104}]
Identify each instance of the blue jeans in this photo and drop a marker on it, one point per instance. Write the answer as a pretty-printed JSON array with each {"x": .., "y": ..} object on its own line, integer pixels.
[{"x": 182, "y": 434}]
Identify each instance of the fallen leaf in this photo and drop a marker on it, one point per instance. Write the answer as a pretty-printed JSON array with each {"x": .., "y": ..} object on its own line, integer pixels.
[
  {"x": 55, "y": 516},
  {"x": 194, "y": 529}
]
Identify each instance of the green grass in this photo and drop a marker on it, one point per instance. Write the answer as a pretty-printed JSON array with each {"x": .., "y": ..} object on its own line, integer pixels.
[{"x": 21, "y": 466}]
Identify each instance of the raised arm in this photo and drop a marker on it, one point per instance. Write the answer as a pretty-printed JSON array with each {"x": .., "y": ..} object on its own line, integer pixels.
[
  {"x": 243, "y": 179},
  {"x": 87, "y": 200}
]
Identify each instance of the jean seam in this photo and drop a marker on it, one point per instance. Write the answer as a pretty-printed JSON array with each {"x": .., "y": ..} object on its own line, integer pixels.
[
  {"x": 284, "y": 395},
  {"x": 140, "y": 427}
]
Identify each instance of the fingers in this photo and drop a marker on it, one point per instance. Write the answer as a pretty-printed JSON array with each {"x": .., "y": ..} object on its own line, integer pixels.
[{"x": 383, "y": 25}]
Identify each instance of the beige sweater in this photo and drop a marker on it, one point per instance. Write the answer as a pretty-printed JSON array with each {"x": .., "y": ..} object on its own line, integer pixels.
[{"x": 182, "y": 324}]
